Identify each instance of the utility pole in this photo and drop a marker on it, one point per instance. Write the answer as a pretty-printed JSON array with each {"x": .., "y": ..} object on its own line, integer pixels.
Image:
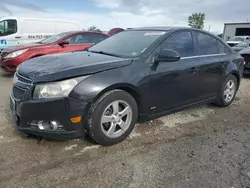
[{"x": 209, "y": 27}]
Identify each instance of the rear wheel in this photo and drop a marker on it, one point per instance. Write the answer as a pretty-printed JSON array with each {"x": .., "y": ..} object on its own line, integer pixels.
[
  {"x": 228, "y": 91},
  {"x": 112, "y": 117}
]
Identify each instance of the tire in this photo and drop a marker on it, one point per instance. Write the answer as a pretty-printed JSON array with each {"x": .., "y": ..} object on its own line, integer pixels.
[
  {"x": 117, "y": 126},
  {"x": 221, "y": 99}
]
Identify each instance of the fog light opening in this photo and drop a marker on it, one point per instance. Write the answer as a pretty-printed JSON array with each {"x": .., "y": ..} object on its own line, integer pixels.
[
  {"x": 53, "y": 125},
  {"x": 41, "y": 125}
]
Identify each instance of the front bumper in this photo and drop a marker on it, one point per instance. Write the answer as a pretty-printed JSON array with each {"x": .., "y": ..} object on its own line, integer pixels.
[
  {"x": 10, "y": 65},
  {"x": 27, "y": 114}
]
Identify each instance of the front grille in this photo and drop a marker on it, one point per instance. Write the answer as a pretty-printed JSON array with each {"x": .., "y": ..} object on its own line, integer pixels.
[
  {"x": 3, "y": 54},
  {"x": 22, "y": 87},
  {"x": 23, "y": 79},
  {"x": 19, "y": 93}
]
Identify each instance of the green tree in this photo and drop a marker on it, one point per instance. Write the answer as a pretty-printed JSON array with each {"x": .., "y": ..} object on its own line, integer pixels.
[
  {"x": 94, "y": 28},
  {"x": 196, "y": 20}
]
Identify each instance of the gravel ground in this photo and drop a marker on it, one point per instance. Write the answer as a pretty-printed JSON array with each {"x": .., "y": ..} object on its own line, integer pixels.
[{"x": 201, "y": 147}]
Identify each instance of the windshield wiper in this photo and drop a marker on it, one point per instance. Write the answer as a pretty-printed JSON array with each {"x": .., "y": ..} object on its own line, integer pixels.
[{"x": 104, "y": 53}]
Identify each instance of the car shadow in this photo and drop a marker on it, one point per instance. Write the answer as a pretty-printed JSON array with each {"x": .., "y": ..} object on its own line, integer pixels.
[
  {"x": 246, "y": 76},
  {"x": 6, "y": 75},
  {"x": 40, "y": 139}
]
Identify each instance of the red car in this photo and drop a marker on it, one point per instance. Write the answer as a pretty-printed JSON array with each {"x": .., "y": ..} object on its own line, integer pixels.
[{"x": 10, "y": 58}]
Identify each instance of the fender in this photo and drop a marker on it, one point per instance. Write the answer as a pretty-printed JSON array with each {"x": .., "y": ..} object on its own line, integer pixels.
[
  {"x": 136, "y": 83},
  {"x": 89, "y": 89}
]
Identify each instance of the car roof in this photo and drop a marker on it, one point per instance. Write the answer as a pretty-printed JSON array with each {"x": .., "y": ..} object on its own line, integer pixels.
[
  {"x": 76, "y": 32},
  {"x": 158, "y": 28}
]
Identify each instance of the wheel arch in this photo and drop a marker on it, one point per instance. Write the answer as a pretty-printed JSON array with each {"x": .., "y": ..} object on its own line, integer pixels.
[
  {"x": 233, "y": 70},
  {"x": 236, "y": 75},
  {"x": 129, "y": 88}
]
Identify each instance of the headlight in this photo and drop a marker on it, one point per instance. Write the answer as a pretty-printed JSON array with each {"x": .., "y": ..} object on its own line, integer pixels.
[
  {"x": 15, "y": 54},
  {"x": 56, "y": 89}
]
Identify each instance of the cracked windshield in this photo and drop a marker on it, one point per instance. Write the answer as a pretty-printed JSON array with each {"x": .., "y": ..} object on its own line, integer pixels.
[{"x": 124, "y": 93}]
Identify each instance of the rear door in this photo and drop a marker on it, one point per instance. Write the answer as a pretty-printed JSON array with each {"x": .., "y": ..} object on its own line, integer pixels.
[
  {"x": 213, "y": 59},
  {"x": 175, "y": 84},
  {"x": 79, "y": 42}
]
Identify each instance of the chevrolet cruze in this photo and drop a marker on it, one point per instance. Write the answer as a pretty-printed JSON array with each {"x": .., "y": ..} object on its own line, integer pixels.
[{"x": 133, "y": 76}]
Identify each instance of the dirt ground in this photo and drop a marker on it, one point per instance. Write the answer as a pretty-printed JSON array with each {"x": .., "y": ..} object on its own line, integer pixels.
[{"x": 201, "y": 147}]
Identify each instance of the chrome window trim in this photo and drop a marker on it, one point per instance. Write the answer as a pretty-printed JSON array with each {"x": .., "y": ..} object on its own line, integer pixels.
[{"x": 210, "y": 55}]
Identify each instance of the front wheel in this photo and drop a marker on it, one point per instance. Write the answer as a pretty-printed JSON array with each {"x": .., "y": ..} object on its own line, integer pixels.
[
  {"x": 228, "y": 91},
  {"x": 112, "y": 117}
]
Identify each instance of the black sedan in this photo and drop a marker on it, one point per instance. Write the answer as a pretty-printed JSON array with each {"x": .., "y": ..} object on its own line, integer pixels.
[{"x": 135, "y": 75}]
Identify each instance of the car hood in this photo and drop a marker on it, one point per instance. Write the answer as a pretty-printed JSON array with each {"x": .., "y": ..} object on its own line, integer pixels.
[
  {"x": 25, "y": 46},
  {"x": 245, "y": 51},
  {"x": 68, "y": 65}
]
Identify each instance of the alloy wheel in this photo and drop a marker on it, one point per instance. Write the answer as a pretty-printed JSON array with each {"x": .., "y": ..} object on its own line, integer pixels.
[
  {"x": 229, "y": 91},
  {"x": 116, "y": 119}
]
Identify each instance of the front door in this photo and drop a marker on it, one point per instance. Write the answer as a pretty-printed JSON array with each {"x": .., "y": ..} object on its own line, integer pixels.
[{"x": 175, "y": 84}]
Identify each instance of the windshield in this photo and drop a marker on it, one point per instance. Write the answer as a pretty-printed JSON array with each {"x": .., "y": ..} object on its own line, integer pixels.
[
  {"x": 54, "y": 38},
  {"x": 238, "y": 39},
  {"x": 8, "y": 27},
  {"x": 127, "y": 43}
]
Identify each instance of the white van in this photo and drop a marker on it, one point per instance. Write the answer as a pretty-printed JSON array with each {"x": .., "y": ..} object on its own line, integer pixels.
[{"x": 16, "y": 31}]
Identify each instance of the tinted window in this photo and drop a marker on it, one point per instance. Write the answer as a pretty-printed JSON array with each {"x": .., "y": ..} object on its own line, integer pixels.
[
  {"x": 222, "y": 48},
  {"x": 181, "y": 42},
  {"x": 8, "y": 27},
  {"x": 207, "y": 44},
  {"x": 86, "y": 38}
]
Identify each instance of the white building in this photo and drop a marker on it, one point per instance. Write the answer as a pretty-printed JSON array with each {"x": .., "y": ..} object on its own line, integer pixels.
[{"x": 236, "y": 29}]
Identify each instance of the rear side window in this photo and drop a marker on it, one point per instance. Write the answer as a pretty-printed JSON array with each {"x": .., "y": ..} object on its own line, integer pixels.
[
  {"x": 86, "y": 38},
  {"x": 206, "y": 44},
  {"x": 222, "y": 48},
  {"x": 182, "y": 42}
]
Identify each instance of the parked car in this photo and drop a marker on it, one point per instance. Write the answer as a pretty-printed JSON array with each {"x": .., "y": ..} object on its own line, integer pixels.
[
  {"x": 241, "y": 46},
  {"x": 16, "y": 31},
  {"x": 133, "y": 76},
  {"x": 238, "y": 39},
  {"x": 115, "y": 31},
  {"x": 10, "y": 58},
  {"x": 246, "y": 54}
]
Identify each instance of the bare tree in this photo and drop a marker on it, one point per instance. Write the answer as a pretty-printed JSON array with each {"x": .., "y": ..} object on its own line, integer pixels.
[
  {"x": 17, "y": 3},
  {"x": 94, "y": 28}
]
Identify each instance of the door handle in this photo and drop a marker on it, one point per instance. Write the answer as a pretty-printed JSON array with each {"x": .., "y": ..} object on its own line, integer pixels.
[
  {"x": 18, "y": 37},
  {"x": 193, "y": 70}
]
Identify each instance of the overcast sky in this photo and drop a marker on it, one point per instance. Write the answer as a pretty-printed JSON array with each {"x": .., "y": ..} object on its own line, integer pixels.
[{"x": 107, "y": 14}]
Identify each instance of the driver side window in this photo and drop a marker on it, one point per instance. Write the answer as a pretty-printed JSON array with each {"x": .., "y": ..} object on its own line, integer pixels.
[
  {"x": 181, "y": 42},
  {"x": 86, "y": 38},
  {"x": 8, "y": 27}
]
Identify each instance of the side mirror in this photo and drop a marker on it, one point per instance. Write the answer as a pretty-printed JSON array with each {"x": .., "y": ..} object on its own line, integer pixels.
[
  {"x": 167, "y": 55},
  {"x": 64, "y": 42}
]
